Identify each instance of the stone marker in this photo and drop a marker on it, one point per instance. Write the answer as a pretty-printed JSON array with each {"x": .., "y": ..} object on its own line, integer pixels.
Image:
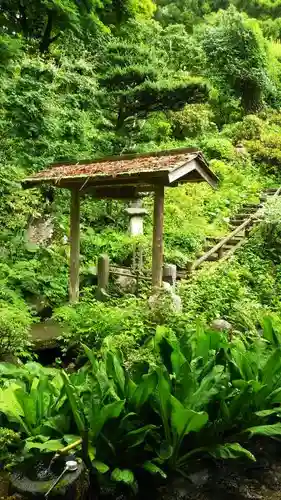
[{"x": 170, "y": 274}]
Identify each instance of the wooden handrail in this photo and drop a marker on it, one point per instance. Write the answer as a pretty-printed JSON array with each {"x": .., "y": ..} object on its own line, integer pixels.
[{"x": 225, "y": 240}]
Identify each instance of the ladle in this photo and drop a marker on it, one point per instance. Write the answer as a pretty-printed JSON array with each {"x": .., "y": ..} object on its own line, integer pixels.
[{"x": 70, "y": 466}]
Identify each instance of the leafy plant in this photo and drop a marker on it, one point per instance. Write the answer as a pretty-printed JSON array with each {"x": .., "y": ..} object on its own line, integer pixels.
[
  {"x": 31, "y": 400},
  {"x": 14, "y": 329}
]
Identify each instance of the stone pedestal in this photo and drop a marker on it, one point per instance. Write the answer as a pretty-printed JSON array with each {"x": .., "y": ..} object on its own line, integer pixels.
[{"x": 170, "y": 274}]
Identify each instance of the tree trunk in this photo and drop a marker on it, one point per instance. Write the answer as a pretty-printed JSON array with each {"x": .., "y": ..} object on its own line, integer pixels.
[{"x": 46, "y": 38}]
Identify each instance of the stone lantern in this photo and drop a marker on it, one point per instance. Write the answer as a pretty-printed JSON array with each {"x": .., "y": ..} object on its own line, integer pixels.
[{"x": 136, "y": 213}]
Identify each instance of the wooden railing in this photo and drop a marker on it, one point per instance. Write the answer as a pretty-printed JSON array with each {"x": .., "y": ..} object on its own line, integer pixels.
[
  {"x": 104, "y": 268},
  {"x": 219, "y": 247}
]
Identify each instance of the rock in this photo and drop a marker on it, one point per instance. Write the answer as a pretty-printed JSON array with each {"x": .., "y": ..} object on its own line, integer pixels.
[
  {"x": 25, "y": 482},
  {"x": 40, "y": 231},
  {"x": 199, "y": 478},
  {"x": 165, "y": 301},
  {"x": 11, "y": 359},
  {"x": 125, "y": 282},
  {"x": 181, "y": 489},
  {"x": 241, "y": 150},
  {"x": 220, "y": 325}
]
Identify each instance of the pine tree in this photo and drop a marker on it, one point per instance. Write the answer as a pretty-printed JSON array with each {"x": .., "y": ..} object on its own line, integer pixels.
[{"x": 136, "y": 81}]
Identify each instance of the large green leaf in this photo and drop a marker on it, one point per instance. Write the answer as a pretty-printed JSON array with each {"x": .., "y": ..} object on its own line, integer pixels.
[
  {"x": 164, "y": 400},
  {"x": 268, "y": 413},
  {"x": 137, "y": 436},
  {"x": 210, "y": 386},
  {"x": 144, "y": 390},
  {"x": 11, "y": 407},
  {"x": 243, "y": 364},
  {"x": 75, "y": 404},
  {"x": 154, "y": 469},
  {"x": 90, "y": 354},
  {"x": 105, "y": 413},
  {"x": 272, "y": 366},
  {"x": 115, "y": 370},
  {"x": 123, "y": 476},
  {"x": 177, "y": 359},
  {"x": 202, "y": 345},
  {"x": 51, "y": 445},
  {"x": 269, "y": 332},
  {"x": 185, "y": 421},
  {"x": 100, "y": 466},
  {"x": 266, "y": 430},
  {"x": 185, "y": 383},
  {"x": 231, "y": 451}
]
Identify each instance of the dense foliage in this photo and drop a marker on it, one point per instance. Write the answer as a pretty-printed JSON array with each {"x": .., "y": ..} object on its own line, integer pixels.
[
  {"x": 148, "y": 392},
  {"x": 86, "y": 79},
  {"x": 202, "y": 395}
]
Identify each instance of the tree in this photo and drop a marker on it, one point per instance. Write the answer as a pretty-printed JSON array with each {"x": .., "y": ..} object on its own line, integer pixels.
[
  {"x": 119, "y": 11},
  {"x": 236, "y": 54},
  {"x": 45, "y": 20},
  {"x": 260, "y": 8},
  {"x": 187, "y": 12},
  {"x": 136, "y": 81}
]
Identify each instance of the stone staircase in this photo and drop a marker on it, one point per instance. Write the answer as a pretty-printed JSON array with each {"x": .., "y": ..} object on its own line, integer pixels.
[{"x": 241, "y": 224}]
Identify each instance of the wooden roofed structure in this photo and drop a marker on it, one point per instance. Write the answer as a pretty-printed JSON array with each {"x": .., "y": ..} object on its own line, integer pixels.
[{"x": 124, "y": 177}]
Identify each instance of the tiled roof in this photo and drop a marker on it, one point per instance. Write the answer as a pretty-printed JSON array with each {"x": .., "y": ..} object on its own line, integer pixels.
[
  {"x": 132, "y": 169},
  {"x": 115, "y": 167}
]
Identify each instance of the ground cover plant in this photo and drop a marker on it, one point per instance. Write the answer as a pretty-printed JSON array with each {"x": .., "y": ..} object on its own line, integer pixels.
[
  {"x": 202, "y": 396},
  {"x": 69, "y": 91}
]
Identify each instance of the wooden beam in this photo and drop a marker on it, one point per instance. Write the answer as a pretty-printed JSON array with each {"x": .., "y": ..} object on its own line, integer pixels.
[
  {"x": 74, "y": 246},
  {"x": 158, "y": 247}
]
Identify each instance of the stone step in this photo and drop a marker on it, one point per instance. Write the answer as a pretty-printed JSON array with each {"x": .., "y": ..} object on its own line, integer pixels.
[
  {"x": 229, "y": 246},
  {"x": 232, "y": 242},
  {"x": 243, "y": 215},
  {"x": 252, "y": 211},
  {"x": 251, "y": 205},
  {"x": 213, "y": 258},
  {"x": 270, "y": 190},
  {"x": 237, "y": 222}
]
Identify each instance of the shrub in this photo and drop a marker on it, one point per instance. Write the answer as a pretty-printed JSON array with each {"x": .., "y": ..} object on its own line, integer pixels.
[
  {"x": 155, "y": 128},
  {"x": 267, "y": 151},
  {"x": 9, "y": 441},
  {"x": 14, "y": 330},
  {"x": 249, "y": 129},
  {"x": 193, "y": 120},
  {"x": 218, "y": 148},
  {"x": 91, "y": 322},
  {"x": 270, "y": 230}
]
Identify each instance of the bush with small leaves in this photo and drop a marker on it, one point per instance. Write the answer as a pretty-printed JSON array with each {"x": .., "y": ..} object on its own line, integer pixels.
[{"x": 14, "y": 330}]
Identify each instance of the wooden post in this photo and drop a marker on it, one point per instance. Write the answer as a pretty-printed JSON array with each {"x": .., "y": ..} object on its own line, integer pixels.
[
  {"x": 220, "y": 253},
  {"x": 74, "y": 246},
  {"x": 158, "y": 248}
]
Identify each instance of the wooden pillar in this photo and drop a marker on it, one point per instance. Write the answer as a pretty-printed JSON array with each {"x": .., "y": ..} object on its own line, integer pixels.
[
  {"x": 103, "y": 271},
  {"x": 220, "y": 253},
  {"x": 74, "y": 246},
  {"x": 158, "y": 248}
]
